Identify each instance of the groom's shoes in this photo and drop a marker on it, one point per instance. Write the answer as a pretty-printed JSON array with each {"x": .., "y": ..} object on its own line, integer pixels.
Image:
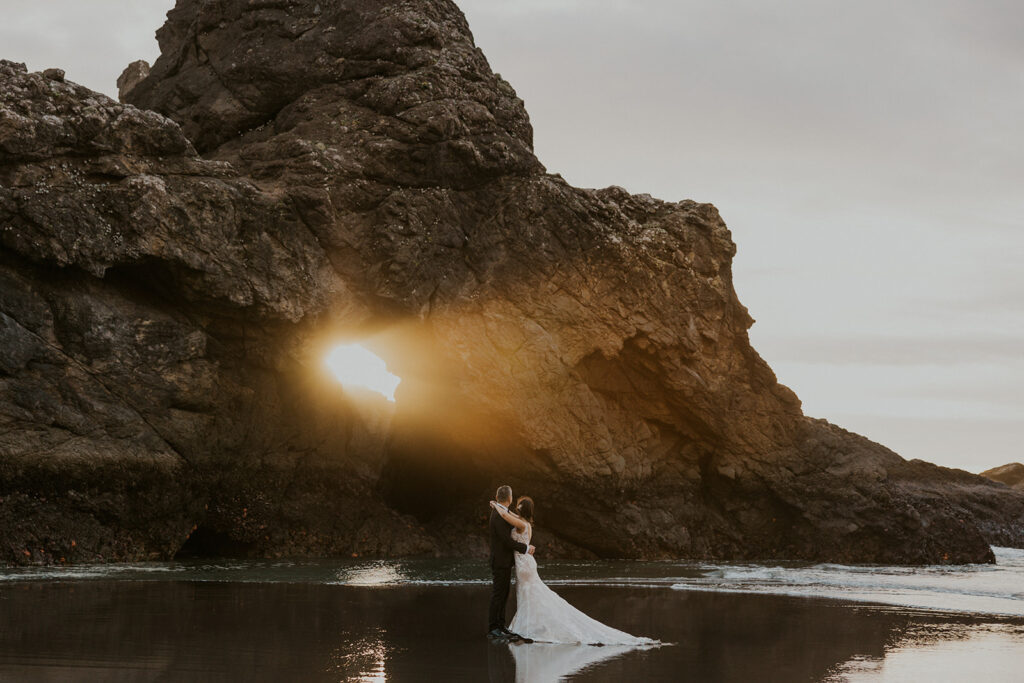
[
  {"x": 515, "y": 637},
  {"x": 505, "y": 636}
]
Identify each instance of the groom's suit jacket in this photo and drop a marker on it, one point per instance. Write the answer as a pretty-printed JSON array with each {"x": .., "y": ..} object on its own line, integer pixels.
[{"x": 502, "y": 545}]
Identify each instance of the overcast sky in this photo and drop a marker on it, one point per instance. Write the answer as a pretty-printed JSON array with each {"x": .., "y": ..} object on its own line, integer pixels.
[{"x": 868, "y": 157}]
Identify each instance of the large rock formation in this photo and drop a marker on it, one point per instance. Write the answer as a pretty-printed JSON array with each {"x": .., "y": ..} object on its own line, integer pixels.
[
  {"x": 291, "y": 174},
  {"x": 1011, "y": 474}
]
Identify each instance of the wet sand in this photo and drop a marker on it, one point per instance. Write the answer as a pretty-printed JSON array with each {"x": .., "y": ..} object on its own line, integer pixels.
[{"x": 108, "y": 630}]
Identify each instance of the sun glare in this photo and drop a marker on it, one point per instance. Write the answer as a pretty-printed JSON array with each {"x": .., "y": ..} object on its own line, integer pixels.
[{"x": 353, "y": 365}]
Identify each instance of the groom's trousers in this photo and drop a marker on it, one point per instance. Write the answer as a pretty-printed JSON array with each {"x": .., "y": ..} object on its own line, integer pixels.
[{"x": 500, "y": 585}]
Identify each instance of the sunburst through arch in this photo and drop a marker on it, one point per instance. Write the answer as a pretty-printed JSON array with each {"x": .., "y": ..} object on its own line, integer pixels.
[{"x": 353, "y": 365}]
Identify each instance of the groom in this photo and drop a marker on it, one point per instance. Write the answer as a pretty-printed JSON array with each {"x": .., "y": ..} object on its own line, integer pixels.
[{"x": 502, "y": 547}]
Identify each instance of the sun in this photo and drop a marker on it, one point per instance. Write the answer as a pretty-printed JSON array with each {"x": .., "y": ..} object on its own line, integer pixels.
[{"x": 354, "y": 365}]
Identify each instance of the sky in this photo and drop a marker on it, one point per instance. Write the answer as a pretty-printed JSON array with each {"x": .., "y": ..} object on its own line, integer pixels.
[{"x": 868, "y": 158}]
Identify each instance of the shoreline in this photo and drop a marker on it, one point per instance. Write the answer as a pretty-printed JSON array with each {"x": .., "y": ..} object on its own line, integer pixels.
[
  {"x": 986, "y": 591},
  {"x": 910, "y": 610}
]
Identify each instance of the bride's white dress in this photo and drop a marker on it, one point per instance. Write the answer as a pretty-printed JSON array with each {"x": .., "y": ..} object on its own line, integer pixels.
[{"x": 544, "y": 616}]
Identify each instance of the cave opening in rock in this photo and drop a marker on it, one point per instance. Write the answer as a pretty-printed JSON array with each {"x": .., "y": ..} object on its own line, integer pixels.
[
  {"x": 428, "y": 445},
  {"x": 206, "y": 542}
]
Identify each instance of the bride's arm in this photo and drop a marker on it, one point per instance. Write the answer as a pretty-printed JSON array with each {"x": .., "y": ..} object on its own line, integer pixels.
[{"x": 510, "y": 517}]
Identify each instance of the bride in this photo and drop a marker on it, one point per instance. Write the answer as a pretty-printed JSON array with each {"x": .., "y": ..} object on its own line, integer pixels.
[{"x": 541, "y": 614}]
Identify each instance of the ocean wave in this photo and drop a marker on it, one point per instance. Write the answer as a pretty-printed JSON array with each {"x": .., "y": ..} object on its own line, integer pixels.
[{"x": 983, "y": 589}]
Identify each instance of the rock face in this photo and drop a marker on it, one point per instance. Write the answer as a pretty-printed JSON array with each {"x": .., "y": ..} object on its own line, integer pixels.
[
  {"x": 130, "y": 77},
  {"x": 293, "y": 174},
  {"x": 1012, "y": 474}
]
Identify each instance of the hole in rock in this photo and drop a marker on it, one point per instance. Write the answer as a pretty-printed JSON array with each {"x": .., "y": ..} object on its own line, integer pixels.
[
  {"x": 206, "y": 542},
  {"x": 434, "y": 443},
  {"x": 355, "y": 366}
]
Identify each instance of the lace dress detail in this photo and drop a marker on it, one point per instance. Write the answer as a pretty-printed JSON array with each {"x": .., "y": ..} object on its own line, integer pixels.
[{"x": 544, "y": 616}]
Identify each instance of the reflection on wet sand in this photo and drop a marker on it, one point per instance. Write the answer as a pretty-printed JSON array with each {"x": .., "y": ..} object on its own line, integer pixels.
[
  {"x": 226, "y": 631},
  {"x": 942, "y": 652},
  {"x": 368, "y": 656},
  {"x": 552, "y": 662}
]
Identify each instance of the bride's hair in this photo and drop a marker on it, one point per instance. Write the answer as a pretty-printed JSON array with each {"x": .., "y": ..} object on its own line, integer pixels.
[{"x": 524, "y": 506}]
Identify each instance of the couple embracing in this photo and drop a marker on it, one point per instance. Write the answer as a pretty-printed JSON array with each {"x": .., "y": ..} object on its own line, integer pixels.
[{"x": 541, "y": 614}]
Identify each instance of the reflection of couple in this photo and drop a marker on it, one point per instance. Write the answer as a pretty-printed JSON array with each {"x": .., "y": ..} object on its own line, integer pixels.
[{"x": 541, "y": 614}]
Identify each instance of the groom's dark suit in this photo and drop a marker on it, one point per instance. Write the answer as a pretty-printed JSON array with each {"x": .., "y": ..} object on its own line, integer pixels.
[{"x": 502, "y": 560}]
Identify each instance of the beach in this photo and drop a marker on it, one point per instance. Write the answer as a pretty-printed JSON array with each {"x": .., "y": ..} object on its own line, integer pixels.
[{"x": 391, "y": 621}]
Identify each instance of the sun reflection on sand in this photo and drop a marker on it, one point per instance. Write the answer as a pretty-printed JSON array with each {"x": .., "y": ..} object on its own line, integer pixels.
[
  {"x": 379, "y": 574},
  {"x": 363, "y": 660}
]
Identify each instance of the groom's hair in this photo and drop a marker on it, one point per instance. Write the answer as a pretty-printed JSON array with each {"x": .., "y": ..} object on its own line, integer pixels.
[{"x": 504, "y": 493}]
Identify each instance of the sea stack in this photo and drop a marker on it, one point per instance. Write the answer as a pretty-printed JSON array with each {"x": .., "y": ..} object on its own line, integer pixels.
[{"x": 293, "y": 174}]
